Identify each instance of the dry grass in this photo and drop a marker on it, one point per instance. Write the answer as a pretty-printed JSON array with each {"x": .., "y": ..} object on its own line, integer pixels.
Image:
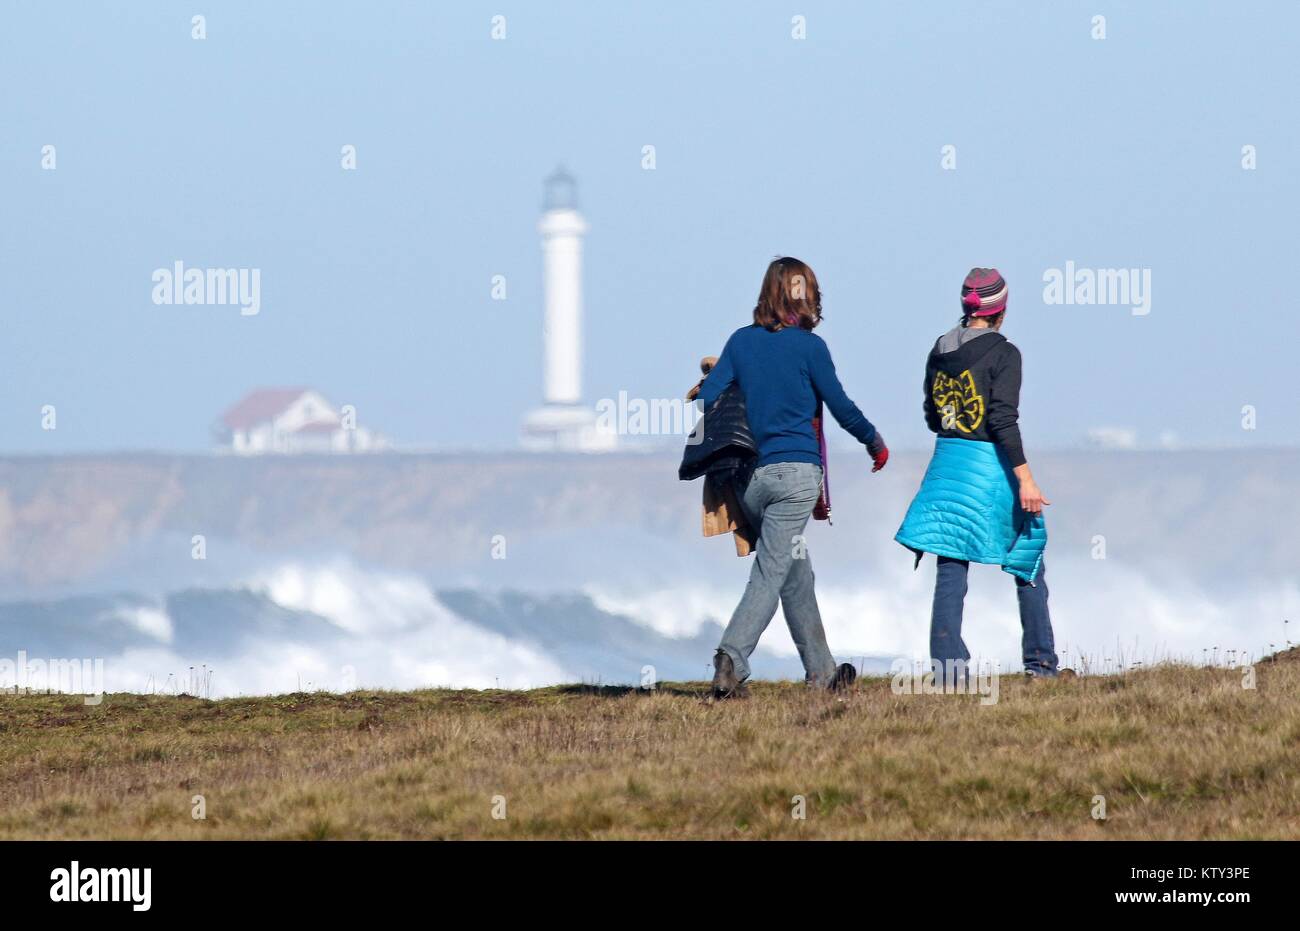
[{"x": 1177, "y": 752}]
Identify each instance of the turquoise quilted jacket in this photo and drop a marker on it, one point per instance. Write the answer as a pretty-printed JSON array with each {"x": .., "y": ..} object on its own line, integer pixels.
[{"x": 967, "y": 508}]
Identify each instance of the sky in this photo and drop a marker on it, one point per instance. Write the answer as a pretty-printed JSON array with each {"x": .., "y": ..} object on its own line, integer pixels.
[{"x": 376, "y": 283}]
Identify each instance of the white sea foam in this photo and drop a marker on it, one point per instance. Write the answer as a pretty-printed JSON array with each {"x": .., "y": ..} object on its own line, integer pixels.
[
  {"x": 1099, "y": 612},
  {"x": 394, "y": 633},
  {"x": 388, "y": 629}
]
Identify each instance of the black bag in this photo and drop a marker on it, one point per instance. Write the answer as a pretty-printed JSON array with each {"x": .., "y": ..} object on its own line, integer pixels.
[{"x": 721, "y": 441}]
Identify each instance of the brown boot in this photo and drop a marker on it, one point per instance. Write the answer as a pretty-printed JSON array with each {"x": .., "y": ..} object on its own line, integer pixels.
[{"x": 725, "y": 683}]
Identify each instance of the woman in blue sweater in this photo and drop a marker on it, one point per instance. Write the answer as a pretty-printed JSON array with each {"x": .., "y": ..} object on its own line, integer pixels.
[{"x": 785, "y": 373}]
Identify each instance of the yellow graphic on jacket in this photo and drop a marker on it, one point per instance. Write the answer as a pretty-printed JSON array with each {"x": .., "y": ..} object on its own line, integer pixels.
[{"x": 957, "y": 402}]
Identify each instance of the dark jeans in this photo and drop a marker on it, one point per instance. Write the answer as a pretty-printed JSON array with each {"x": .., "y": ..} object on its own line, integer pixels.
[{"x": 945, "y": 620}]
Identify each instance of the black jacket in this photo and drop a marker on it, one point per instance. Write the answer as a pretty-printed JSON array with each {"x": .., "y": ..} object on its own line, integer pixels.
[
  {"x": 973, "y": 393},
  {"x": 721, "y": 441}
]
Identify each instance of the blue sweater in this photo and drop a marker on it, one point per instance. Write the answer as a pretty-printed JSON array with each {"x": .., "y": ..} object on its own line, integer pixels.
[{"x": 783, "y": 375}]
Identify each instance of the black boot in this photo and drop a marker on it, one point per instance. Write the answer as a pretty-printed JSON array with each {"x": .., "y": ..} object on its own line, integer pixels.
[{"x": 845, "y": 676}]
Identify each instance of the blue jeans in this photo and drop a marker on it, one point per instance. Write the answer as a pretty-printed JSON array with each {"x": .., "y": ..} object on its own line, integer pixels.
[
  {"x": 778, "y": 501},
  {"x": 946, "y": 644}
]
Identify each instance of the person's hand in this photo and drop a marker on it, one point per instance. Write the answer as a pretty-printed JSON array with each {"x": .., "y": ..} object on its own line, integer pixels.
[
  {"x": 878, "y": 452},
  {"x": 706, "y": 366},
  {"x": 1031, "y": 496}
]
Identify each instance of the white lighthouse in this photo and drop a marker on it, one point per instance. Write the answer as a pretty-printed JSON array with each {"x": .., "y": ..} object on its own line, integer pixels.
[{"x": 562, "y": 423}]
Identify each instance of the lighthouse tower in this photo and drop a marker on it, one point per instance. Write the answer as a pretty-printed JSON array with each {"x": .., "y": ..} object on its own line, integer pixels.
[{"x": 562, "y": 423}]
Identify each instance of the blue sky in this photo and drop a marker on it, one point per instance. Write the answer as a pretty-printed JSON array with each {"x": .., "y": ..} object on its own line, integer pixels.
[{"x": 1119, "y": 153}]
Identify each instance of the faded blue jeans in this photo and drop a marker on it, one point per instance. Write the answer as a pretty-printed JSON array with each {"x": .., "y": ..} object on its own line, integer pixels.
[
  {"x": 1037, "y": 646},
  {"x": 778, "y": 501}
]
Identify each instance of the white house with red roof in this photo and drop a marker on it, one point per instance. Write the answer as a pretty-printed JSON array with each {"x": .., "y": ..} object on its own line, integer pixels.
[{"x": 293, "y": 420}]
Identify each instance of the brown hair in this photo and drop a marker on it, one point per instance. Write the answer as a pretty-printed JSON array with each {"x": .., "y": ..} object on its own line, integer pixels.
[
  {"x": 993, "y": 319},
  {"x": 789, "y": 296}
]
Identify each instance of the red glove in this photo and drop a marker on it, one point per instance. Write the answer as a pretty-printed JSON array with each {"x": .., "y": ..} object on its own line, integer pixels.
[{"x": 878, "y": 451}]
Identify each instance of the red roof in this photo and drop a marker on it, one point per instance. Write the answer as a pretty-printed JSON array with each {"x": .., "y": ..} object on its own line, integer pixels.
[
  {"x": 260, "y": 406},
  {"x": 318, "y": 426}
]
